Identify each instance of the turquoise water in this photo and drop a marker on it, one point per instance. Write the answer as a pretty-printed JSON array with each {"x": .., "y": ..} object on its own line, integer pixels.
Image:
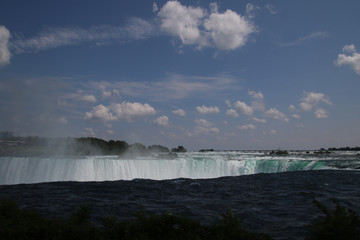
[{"x": 194, "y": 165}]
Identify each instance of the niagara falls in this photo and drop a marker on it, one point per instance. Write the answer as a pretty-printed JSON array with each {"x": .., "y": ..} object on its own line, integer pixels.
[
  {"x": 179, "y": 120},
  {"x": 194, "y": 165}
]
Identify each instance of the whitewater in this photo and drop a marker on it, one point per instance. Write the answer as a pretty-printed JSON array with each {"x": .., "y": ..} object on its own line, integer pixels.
[{"x": 194, "y": 165}]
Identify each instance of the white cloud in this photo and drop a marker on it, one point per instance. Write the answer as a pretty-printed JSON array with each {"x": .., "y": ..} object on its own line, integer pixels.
[
  {"x": 314, "y": 35},
  {"x": 228, "y": 103},
  {"x": 306, "y": 106},
  {"x": 271, "y": 8},
  {"x": 135, "y": 29},
  {"x": 162, "y": 121},
  {"x": 194, "y": 26},
  {"x": 4, "y": 46},
  {"x": 292, "y": 108},
  {"x": 179, "y": 112},
  {"x": 204, "y": 127},
  {"x": 214, "y": 7},
  {"x": 261, "y": 120},
  {"x": 353, "y": 59},
  {"x": 349, "y": 48},
  {"x": 228, "y": 30},
  {"x": 183, "y": 22},
  {"x": 88, "y": 98},
  {"x": 244, "y": 108},
  {"x": 65, "y": 36},
  {"x": 100, "y": 112},
  {"x": 247, "y": 127},
  {"x": 321, "y": 113},
  {"x": 295, "y": 116},
  {"x": 172, "y": 87},
  {"x": 312, "y": 99},
  {"x": 125, "y": 110},
  {"x": 106, "y": 94},
  {"x": 130, "y": 111},
  {"x": 232, "y": 113},
  {"x": 203, "y": 122},
  {"x": 250, "y": 9},
  {"x": 276, "y": 114},
  {"x": 258, "y": 103},
  {"x": 155, "y": 7},
  {"x": 109, "y": 131},
  {"x": 256, "y": 95},
  {"x": 207, "y": 110}
]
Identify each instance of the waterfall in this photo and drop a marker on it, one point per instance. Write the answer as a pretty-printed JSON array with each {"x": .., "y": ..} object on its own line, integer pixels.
[{"x": 15, "y": 170}]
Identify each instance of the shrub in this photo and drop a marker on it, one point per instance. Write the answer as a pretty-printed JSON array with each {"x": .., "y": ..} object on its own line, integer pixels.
[{"x": 337, "y": 223}]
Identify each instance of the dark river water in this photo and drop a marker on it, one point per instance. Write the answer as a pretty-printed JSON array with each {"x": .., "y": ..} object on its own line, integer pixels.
[{"x": 279, "y": 204}]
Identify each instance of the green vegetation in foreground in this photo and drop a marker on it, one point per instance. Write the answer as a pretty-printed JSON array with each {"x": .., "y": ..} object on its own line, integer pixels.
[
  {"x": 337, "y": 223},
  {"x": 30, "y": 224},
  {"x": 15, "y": 223}
]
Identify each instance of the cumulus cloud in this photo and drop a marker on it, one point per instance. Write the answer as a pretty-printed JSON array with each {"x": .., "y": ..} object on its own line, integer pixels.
[
  {"x": 352, "y": 59},
  {"x": 130, "y": 111},
  {"x": 321, "y": 113},
  {"x": 195, "y": 26},
  {"x": 162, "y": 121},
  {"x": 183, "y": 22},
  {"x": 228, "y": 30},
  {"x": 256, "y": 95},
  {"x": 276, "y": 114},
  {"x": 100, "y": 112},
  {"x": 204, "y": 127},
  {"x": 125, "y": 110},
  {"x": 179, "y": 112},
  {"x": 244, "y": 108},
  {"x": 247, "y": 127},
  {"x": 312, "y": 99},
  {"x": 4, "y": 46},
  {"x": 203, "y": 122},
  {"x": 258, "y": 103},
  {"x": 232, "y": 113},
  {"x": 295, "y": 116},
  {"x": 207, "y": 110}
]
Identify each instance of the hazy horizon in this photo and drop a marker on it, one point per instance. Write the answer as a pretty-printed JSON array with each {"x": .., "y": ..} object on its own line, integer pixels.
[{"x": 222, "y": 75}]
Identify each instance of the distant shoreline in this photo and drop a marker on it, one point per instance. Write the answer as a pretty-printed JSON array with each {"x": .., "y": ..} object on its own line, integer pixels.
[{"x": 44, "y": 147}]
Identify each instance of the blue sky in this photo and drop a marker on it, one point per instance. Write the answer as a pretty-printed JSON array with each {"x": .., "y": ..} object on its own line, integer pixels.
[{"x": 222, "y": 74}]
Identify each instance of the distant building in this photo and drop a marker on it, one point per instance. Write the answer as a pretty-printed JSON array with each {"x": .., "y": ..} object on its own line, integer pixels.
[{"x": 6, "y": 135}]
